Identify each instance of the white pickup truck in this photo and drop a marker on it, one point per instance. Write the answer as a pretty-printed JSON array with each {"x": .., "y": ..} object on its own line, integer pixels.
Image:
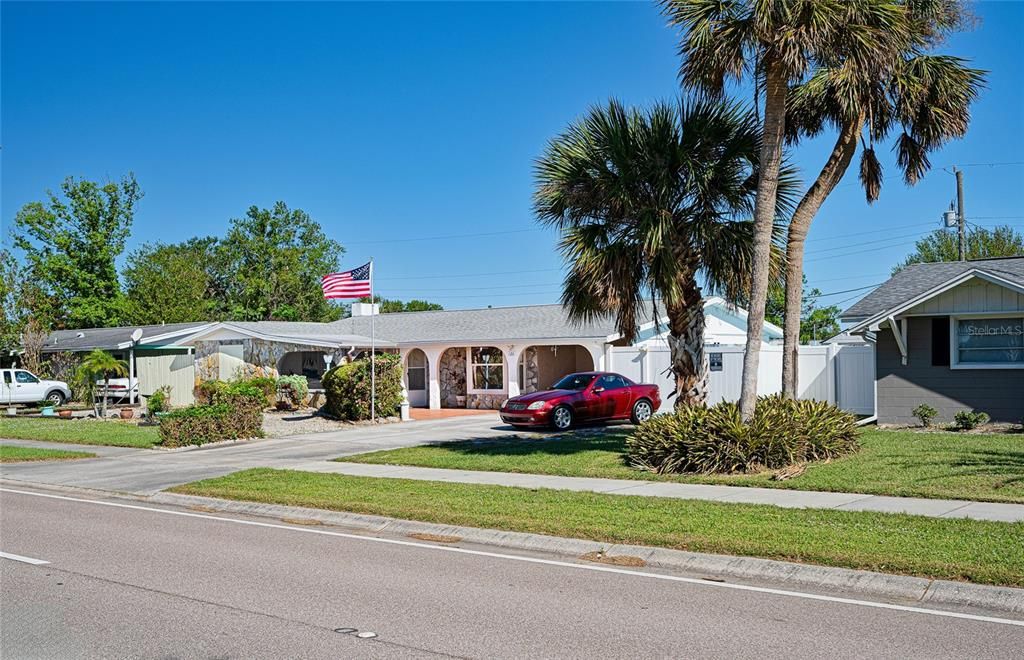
[{"x": 22, "y": 386}]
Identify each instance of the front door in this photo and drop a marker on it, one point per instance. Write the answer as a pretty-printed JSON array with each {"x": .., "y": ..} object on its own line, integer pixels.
[{"x": 416, "y": 378}]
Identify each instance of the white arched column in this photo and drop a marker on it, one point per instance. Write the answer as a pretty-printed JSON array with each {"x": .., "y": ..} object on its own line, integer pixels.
[
  {"x": 433, "y": 377},
  {"x": 512, "y": 353},
  {"x": 597, "y": 355}
]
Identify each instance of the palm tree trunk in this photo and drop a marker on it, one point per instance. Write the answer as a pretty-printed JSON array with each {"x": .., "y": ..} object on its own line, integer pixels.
[
  {"x": 106, "y": 390},
  {"x": 831, "y": 174},
  {"x": 764, "y": 219},
  {"x": 686, "y": 348}
]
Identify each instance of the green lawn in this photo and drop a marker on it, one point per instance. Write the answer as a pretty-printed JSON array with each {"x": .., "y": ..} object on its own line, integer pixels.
[
  {"x": 14, "y": 454},
  {"x": 82, "y": 432},
  {"x": 977, "y": 551},
  {"x": 901, "y": 463}
]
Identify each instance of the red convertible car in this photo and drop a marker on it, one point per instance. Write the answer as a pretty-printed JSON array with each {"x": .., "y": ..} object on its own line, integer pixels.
[{"x": 583, "y": 397}]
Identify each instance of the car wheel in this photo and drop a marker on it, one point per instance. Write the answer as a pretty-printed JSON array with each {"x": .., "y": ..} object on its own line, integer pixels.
[
  {"x": 561, "y": 418},
  {"x": 56, "y": 397},
  {"x": 642, "y": 411}
]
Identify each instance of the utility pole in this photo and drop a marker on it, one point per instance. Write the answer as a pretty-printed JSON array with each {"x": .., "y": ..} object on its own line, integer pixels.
[{"x": 961, "y": 220}]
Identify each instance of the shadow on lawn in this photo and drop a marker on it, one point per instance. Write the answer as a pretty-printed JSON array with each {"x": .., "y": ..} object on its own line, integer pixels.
[{"x": 562, "y": 444}]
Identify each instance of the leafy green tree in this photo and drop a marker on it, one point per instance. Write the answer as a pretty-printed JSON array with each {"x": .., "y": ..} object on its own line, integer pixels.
[
  {"x": 270, "y": 264},
  {"x": 655, "y": 204},
  {"x": 392, "y": 306},
  {"x": 944, "y": 245},
  {"x": 923, "y": 99},
  {"x": 816, "y": 323},
  {"x": 173, "y": 283},
  {"x": 12, "y": 304},
  {"x": 776, "y": 43},
  {"x": 71, "y": 242},
  {"x": 102, "y": 364}
]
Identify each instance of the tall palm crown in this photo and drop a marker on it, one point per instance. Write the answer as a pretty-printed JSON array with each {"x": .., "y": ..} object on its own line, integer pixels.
[
  {"x": 921, "y": 97},
  {"x": 776, "y": 43},
  {"x": 649, "y": 205}
]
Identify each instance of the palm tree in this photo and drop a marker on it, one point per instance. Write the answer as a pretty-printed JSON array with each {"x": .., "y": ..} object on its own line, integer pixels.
[
  {"x": 927, "y": 97},
  {"x": 777, "y": 42},
  {"x": 654, "y": 205},
  {"x": 100, "y": 363}
]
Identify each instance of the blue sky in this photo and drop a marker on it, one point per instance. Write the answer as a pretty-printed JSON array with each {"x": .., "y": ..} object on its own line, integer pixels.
[{"x": 402, "y": 128}]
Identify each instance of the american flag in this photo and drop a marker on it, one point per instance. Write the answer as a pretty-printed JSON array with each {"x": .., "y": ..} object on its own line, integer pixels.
[{"x": 353, "y": 283}]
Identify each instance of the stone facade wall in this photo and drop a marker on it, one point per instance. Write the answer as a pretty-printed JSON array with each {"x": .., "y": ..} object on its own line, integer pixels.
[
  {"x": 485, "y": 401},
  {"x": 260, "y": 356},
  {"x": 531, "y": 371},
  {"x": 207, "y": 362},
  {"x": 452, "y": 378}
]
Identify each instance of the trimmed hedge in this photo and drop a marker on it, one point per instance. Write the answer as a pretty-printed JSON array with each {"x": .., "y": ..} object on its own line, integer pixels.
[
  {"x": 347, "y": 388},
  {"x": 235, "y": 411},
  {"x": 782, "y": 432}
]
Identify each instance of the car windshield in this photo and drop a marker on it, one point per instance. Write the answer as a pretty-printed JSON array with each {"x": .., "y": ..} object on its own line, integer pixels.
[{"x": 573, "y": 382}]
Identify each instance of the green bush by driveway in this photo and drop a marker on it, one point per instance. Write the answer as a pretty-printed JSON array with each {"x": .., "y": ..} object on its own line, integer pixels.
[
  {"x": 902, "y": 463},
  {"x": 985, "y": 552},
  {"x": 347, "y": 388},
  {"x": 237, "y": 413},
  {"x": 80, "y": 431}
]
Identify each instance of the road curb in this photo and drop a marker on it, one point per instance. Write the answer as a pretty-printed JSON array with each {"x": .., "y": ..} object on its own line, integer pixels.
[{"x": 919, "y": 591}]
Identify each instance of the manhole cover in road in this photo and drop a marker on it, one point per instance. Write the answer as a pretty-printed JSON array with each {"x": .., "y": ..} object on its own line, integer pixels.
[
  {"x": 345, "y": 631},
  {"x": 366, "y": 634}
]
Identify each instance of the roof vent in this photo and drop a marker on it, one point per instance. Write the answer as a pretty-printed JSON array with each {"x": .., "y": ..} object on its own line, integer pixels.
[{"x": 79, "y": 335}]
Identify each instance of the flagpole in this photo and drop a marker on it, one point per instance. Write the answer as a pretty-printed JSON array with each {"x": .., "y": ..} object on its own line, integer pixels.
[{"x": 373, "y": 351}]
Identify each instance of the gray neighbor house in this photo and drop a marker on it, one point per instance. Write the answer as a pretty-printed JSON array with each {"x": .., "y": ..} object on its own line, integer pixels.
[{"x": 950, "y": 335}]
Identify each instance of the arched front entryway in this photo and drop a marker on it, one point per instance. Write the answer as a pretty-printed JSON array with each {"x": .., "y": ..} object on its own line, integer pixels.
[
  {"x": 540, "y": 367},
  {"x": 416, "y": 380}
]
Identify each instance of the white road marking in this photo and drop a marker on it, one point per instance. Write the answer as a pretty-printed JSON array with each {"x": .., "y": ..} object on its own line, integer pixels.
[
  {"x": 537, "y": 560},
  {"x": 26, "y": 560}
]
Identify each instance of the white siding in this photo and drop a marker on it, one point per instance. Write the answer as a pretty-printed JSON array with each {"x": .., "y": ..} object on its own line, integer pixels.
[
  {"x": 159, "y": 368},
  {"x": 972, "y": 297}
]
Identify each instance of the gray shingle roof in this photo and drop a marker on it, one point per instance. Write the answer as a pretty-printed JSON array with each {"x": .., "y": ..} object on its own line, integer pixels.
[
  {"x": 109, "y": 338},
  {"x": 917, "y": 279},
  {"x": 492, "y": 324}
]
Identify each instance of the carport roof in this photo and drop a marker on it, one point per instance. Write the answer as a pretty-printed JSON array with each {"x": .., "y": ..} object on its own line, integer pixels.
[{"x": 108, "y": 339}]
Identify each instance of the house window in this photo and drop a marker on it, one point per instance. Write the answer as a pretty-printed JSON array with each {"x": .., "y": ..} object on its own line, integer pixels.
[
  {"x": 488, "y": 367},
  {"x": 986, "y": 343}
]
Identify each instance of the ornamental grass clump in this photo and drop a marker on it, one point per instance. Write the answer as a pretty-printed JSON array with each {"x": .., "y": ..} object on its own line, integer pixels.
[{"x": 782, "y": 432}]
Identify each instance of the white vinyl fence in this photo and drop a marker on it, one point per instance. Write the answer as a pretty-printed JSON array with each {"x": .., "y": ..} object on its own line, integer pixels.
[{"x": 844, "y": 375}]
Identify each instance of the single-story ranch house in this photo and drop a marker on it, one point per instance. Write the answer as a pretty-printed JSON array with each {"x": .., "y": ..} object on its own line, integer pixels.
[
  {"x": 452, "y": 359},
  {"x": 950, "y": 335}
]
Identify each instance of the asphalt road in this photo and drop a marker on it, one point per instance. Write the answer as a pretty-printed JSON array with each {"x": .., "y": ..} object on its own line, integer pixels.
[{"x": 136, "y": 580}]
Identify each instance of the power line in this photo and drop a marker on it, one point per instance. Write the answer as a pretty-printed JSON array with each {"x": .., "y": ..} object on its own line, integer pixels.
[
  {"x": 446, "y": 237},
  {"x": 1002, "y": 164}
]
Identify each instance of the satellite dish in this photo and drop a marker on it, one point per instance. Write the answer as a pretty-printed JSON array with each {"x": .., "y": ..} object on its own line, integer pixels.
[{"x": 137, "y": 335}]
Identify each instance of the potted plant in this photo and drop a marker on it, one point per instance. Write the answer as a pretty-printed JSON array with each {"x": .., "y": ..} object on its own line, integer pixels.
[
  {"x": 127, "y": 413},
  {"x": 64, "y": 412},
  {"x": 46, "y": 408}
]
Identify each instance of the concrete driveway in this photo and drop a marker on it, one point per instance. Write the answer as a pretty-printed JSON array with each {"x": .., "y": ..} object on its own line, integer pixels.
[{"x": 146, "y": 471}]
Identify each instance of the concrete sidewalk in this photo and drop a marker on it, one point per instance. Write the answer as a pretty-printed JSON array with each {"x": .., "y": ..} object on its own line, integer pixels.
[{"x": 798, "y": 499}]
